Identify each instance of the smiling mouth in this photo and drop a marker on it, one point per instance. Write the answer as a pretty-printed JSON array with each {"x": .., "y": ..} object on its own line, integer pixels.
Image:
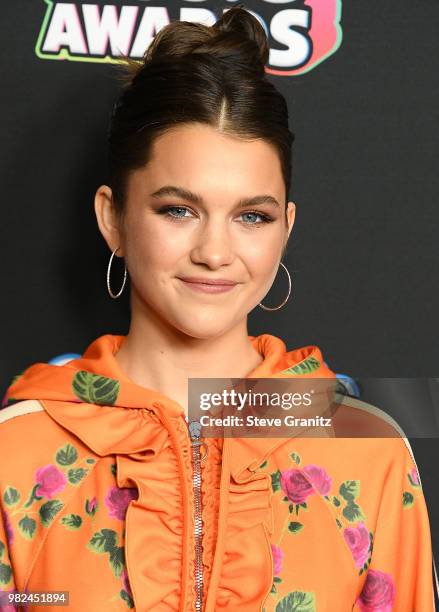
[
  {"x": 205, "y": 287},
  {"x": 207, "y": 281}
]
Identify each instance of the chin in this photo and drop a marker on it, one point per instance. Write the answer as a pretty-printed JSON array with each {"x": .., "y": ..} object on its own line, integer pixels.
[{"x": 202, "y": 329}]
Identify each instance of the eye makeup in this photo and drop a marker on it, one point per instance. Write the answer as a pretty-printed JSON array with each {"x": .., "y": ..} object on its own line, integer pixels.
[{"x": 165, "y": 211}]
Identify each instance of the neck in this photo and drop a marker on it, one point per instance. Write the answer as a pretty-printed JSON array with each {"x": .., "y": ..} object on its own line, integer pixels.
[{"x": 160, "y": 357}]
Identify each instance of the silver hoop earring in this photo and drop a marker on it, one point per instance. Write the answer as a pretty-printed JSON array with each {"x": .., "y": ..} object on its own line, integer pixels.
[
  {"x": 115, "y": 295},
  {"x": 286, "y": 299}
]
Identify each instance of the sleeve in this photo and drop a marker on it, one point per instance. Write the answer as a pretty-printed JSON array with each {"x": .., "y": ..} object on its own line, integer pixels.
[
  {"x": 7, "y": 581},
  {"x": 400, "y": 575}
]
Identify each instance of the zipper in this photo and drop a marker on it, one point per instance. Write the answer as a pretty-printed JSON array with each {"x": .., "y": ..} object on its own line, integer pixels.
[{"x": 196, "y": 443}]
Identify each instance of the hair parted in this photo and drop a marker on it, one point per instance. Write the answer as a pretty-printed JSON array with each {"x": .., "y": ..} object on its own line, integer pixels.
[{"x": 193, "y": 73}]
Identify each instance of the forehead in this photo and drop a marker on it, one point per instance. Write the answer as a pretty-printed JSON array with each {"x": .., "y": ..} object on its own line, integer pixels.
[{"x": 200, "y": 157}]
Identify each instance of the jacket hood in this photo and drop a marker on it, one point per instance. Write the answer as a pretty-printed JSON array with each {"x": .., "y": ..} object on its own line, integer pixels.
[{"x": 90, "y": 396}]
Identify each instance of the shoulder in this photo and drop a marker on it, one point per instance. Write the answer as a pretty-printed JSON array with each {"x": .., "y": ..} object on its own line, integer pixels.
[
  {"x": 21, "y": 423},
  {"x": 27, "y": 433},
  {"x": 368, "y": 445},
  {"x": 21, "y": 420},
  {"x": 378, "y": 430},
  {"x": 19, "y": 409}
]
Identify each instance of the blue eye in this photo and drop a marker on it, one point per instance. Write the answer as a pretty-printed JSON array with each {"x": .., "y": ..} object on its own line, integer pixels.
[
  {"x": 166, "y": 210},
  {"x": 265, "y": 218}
]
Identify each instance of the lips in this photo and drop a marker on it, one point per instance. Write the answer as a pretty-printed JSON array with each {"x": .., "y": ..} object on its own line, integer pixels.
[
  {"x": 210, "y": 281},
  {"x": 211, "y": 286}
]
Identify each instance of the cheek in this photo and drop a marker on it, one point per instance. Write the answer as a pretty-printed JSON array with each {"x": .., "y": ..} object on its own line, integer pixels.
[
  {"x": 262, "y": 254},
  {"x": 141, "y": 246},
  {"x": 152, "y": 247}
]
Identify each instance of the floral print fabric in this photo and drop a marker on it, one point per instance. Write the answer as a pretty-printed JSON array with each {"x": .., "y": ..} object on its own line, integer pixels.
[{"x": 99, "y": 504}]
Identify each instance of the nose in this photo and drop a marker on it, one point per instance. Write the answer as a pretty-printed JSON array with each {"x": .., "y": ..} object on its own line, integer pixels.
[{"x": 213, "y": 244}]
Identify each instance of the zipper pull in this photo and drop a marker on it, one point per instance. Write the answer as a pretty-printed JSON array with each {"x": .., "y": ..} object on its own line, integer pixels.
[{"x": 195, "y": 435}]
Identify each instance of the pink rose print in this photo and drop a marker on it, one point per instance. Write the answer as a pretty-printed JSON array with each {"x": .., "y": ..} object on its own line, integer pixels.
[
  {"x": 9, "y": 532},
  {"x": 278, "y": 555},
  {"x": 415, "y": 477},
  {"x": 358, "y": 540},
  {"x": 319, "y": 478},
  {"x": 117, "y": 501},
  {"x": 378, "y": 593},
  {"x": 295, "y": 485},
  {"x": 50, "y": 481},
  {"x": 7, "y": 607}
]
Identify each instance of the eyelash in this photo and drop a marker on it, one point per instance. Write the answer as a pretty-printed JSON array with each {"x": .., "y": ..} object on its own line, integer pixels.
[{"x": 165, "y": 209}]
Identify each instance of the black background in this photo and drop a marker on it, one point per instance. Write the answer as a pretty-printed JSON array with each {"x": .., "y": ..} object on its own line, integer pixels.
[{"x": 363, "y": 253}]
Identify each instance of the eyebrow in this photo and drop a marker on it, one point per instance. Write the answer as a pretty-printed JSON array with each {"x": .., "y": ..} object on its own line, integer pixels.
[{"x": 185, "y": 194}]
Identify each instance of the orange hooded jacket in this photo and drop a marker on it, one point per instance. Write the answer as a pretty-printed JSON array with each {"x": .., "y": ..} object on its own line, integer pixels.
[{"x": 98, "y": 498}]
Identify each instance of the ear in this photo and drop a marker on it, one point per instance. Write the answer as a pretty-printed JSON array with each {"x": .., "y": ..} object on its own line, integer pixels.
[
  {"x": 291, "y": 214},
  {"x": 107, "y": 219}
]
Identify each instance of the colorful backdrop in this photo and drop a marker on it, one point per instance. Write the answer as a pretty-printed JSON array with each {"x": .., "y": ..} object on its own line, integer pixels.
[{"x": 363, "y": 92}]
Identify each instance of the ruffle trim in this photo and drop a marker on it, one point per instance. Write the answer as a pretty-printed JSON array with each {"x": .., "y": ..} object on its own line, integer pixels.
[{"x": 247, "y": 550}]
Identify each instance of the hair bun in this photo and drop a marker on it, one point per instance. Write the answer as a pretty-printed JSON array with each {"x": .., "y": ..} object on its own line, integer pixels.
[
  {"x": 237, "y": 38},
  {"x": 241, "y": 37}
]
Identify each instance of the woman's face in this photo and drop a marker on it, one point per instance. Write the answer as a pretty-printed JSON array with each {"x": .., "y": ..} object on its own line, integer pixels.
[{"x": 184, "y": 219}]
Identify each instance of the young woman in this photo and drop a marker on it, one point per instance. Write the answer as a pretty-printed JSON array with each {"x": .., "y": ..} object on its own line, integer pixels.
[{"x": 105, "y": 494}]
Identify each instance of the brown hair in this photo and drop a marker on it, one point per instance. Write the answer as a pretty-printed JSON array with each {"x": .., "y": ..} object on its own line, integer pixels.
[{"x": 193, "y": 73}]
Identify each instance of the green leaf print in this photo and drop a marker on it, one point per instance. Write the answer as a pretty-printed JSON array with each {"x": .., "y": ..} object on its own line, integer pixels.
[
  {"x": 2, "y": 549},
  {"x": 125, "y": 596},
  {"x": 11, "y": 496},
  {"x": 27, "y": 527},
  {"x": 66, "y": 455},
  {"x": 298, "y": 506},
  {"x": 75, "y": 475},
  {"x": 103, "y": 541},
  {"x": 336, "y": 501},
  {"x": 5, "y": 573},
  {"x": 407, "y": 499},
  {"x": 352, "y": 512},
  {"x": 297, "y": 601},
  {"x": 117, "y": 560},
  {"x": 275, "y": 481},
  {"x": 95, "y": 389},
  {"x": 49, "y": 510},
  {"x": 33, "y": 496},
  {"x": 295, "y": 457},
  {"x": 72, "y": 521},
  {"x": 295, "y": 527},
  {"x": 350, "y": 490},
  {"x": 308, "y": 365}
]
